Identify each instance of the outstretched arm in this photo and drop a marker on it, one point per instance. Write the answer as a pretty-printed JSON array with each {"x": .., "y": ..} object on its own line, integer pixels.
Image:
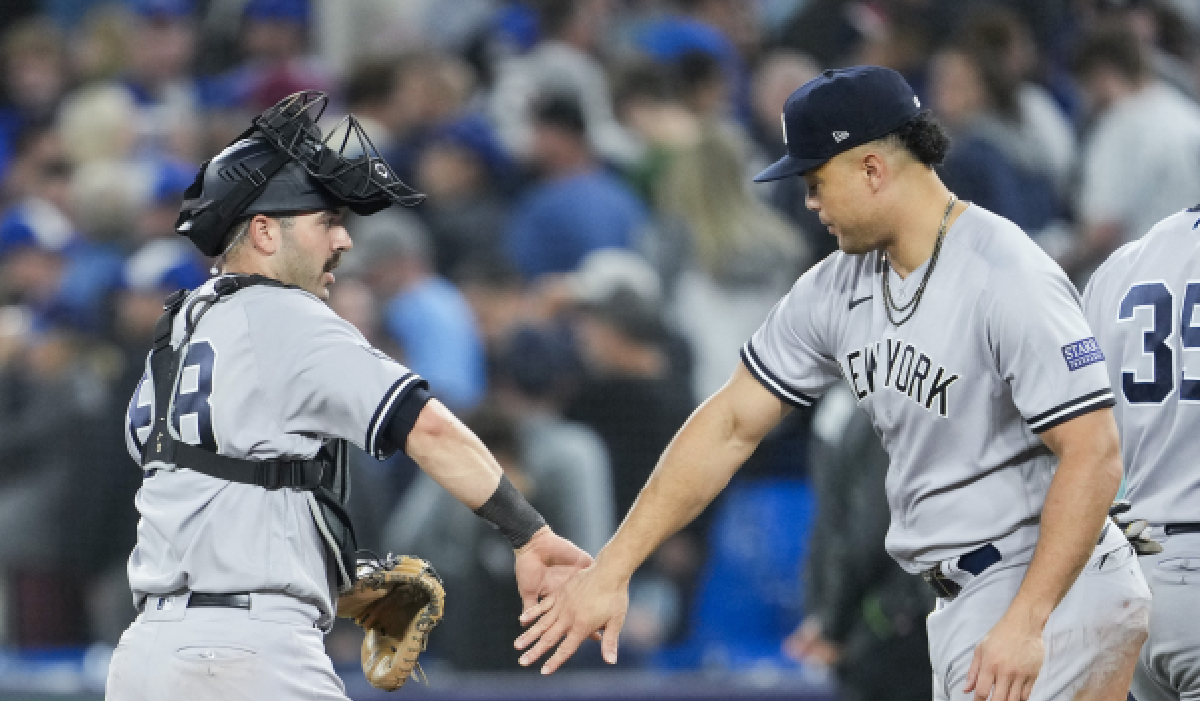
[
  {"x": 453, "y": 456},
  {"x": 696, "y": 466},
  {"x": 457, "y": 460}
]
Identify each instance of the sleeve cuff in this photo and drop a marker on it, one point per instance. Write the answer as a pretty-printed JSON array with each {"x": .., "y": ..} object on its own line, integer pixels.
[
  {"x": 771, "y": 381},
  {"x": 1100, "y": 399},
  {"x": 403, "y": 401}
]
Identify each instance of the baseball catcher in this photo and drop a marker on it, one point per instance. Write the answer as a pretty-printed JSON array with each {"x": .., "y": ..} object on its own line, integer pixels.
[{"x": 241, "y": 426}]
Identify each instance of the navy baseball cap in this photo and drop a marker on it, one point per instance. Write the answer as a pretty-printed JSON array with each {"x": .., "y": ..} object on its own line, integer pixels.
[{"x": 838, "y": 110}]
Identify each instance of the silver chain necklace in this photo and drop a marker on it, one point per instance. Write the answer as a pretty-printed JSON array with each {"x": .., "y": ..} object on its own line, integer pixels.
[{"x": 889, "y": 304}]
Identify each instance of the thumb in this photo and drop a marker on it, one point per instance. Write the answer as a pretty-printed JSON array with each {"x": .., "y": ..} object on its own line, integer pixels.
[
  {"x": 527, "y": 587},
  {"x": 612, "y": 635}
]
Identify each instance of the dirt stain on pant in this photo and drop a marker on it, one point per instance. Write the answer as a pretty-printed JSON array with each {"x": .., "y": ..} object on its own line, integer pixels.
[{"x": 1116, "y": 643}]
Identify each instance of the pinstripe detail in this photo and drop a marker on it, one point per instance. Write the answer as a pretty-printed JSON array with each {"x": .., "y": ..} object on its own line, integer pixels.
[{"x": 770, "y": 381}]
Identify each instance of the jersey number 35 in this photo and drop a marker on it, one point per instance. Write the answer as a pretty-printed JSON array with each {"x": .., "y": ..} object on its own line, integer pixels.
[{"x": 1155, "y": 342}]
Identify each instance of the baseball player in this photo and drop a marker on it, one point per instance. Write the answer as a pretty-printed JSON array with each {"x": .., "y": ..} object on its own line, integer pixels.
[
  {"x": 967, "y": 347},
  {"x": 1142, "y": 304},
  {"x": 240, "y": 424}
]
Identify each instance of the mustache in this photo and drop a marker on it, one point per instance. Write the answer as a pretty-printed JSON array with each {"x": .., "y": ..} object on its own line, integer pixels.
[{"x": 334, "y": 261}]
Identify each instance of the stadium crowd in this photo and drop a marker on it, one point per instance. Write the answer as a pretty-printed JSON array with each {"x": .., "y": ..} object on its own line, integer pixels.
[{"x": 589, "y": 259}]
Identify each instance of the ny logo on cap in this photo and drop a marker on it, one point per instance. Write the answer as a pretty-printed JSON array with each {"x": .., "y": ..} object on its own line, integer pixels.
[{"x": 840, "y": 136}]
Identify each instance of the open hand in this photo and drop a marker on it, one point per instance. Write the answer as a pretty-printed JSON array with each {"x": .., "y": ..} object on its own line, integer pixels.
[
  {"x": 1008, "y": 658},
  {"x": 585, "y": 604},
  {"x": 544, "y": 564}
]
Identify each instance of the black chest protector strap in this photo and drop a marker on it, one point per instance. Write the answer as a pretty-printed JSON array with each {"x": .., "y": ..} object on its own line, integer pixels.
[
  {"x": 163, "y": 447},
  {"x": 327, "y": 475}
]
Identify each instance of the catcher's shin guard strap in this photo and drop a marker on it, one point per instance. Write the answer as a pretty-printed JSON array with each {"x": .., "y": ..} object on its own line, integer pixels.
[{"x": 509, "y": 513}]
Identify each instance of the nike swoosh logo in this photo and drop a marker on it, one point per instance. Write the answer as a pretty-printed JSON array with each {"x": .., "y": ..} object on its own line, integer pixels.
[{"x": 855, "y": 302}]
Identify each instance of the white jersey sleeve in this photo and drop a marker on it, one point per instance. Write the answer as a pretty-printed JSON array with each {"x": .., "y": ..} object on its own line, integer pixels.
[
  {"x": 1044, "y": 349},
  {"x": 792, "y": 353}
]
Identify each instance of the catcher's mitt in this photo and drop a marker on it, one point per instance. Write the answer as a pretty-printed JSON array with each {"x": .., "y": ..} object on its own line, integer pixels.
[
  {"x": 1133, "y": 530},
  {"x": 398, "y": 601}
]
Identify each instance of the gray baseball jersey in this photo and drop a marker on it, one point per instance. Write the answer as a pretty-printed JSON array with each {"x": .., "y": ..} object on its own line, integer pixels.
[
  {"x": 997, "y": 352},
  {"x": 269, "y": 373},
  {"x": 1141, "y": 302}
]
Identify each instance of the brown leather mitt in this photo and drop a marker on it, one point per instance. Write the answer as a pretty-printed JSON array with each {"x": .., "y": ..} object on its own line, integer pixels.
[{"x": 398, "y": 601}]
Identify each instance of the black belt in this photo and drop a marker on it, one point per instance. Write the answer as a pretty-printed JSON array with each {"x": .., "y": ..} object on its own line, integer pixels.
[
  {"x": 1177, "y": 528},
  {"x": 224, "y": 601},
  {"x": 974, "y": 562},
  {"x": 203, "y": 600},
  {"x": 984, "y": 557}
]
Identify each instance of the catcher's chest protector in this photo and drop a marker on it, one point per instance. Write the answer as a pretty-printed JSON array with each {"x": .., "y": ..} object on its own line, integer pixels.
[{"x": 325, "y": 477}]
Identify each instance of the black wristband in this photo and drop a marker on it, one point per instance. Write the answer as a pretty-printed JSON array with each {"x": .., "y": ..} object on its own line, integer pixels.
[{"x": 508, "y": 512}]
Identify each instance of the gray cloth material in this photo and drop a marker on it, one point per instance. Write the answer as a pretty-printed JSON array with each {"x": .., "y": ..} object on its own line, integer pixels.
[
  {"x": 288, "y": 376},
  {"x": 959, "y": 392},
  {"x": 1158, "y": 438},
  {"x": 1169, "y": 665},
  {"x": 1107, "y": 605},
  {"x": 223, "y": 654},
  {"x": 848, "y": 569},
  {"x": 1152, "y": 283}
]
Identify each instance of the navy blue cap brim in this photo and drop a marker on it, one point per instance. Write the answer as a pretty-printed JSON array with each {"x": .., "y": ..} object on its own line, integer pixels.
[{"x": 788, "y": 165}]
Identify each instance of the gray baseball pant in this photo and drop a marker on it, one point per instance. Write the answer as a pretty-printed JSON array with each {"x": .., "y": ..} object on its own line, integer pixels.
[{"x": 270, "y": 651}]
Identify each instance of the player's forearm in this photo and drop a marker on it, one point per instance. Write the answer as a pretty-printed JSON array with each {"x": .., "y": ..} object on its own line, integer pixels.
[
  {"x": 696, "y": 466},
  {"x": 453, "y": 456},
  {"x": 1087, "y": 480}
]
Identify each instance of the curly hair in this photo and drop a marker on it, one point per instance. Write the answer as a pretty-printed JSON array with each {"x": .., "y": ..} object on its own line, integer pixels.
[{"x": 923, "y": 137}]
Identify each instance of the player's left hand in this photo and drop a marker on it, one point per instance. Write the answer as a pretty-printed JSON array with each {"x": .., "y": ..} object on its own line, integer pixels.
[
  {"x": 544, "y": 563},
  {"x": 1007, "y": 660}
]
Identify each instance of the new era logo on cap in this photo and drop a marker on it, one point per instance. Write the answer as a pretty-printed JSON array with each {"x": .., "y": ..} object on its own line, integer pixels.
[{"x": 840, "y": 136}]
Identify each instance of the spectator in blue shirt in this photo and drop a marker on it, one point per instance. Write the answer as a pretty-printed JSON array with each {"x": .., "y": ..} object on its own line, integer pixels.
[
  {"x": 426, "y": 317},
  {"x": 578, "y": 207}
]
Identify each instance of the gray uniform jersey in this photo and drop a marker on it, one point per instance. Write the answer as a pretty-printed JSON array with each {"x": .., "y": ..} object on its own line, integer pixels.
[
  {"x": 269, "y": 373},
  {"x": 1142, "y": 304},
  {"x": 997, "y": 352}
]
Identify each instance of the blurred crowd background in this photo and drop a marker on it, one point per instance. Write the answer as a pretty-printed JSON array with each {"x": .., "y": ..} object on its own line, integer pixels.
[{"x": 589, "y": 260}]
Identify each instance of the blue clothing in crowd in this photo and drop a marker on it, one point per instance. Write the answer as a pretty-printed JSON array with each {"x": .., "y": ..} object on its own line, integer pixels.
[
  {"x": 561, "y": 221},
  {"x": 437, "y": 332}
]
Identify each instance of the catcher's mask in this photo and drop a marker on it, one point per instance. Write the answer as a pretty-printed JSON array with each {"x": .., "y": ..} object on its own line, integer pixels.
[{"x": 282, "y": 165}]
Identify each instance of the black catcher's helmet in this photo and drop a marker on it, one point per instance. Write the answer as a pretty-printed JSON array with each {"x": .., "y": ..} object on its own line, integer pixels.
[{"x": 281, "y": 165}]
